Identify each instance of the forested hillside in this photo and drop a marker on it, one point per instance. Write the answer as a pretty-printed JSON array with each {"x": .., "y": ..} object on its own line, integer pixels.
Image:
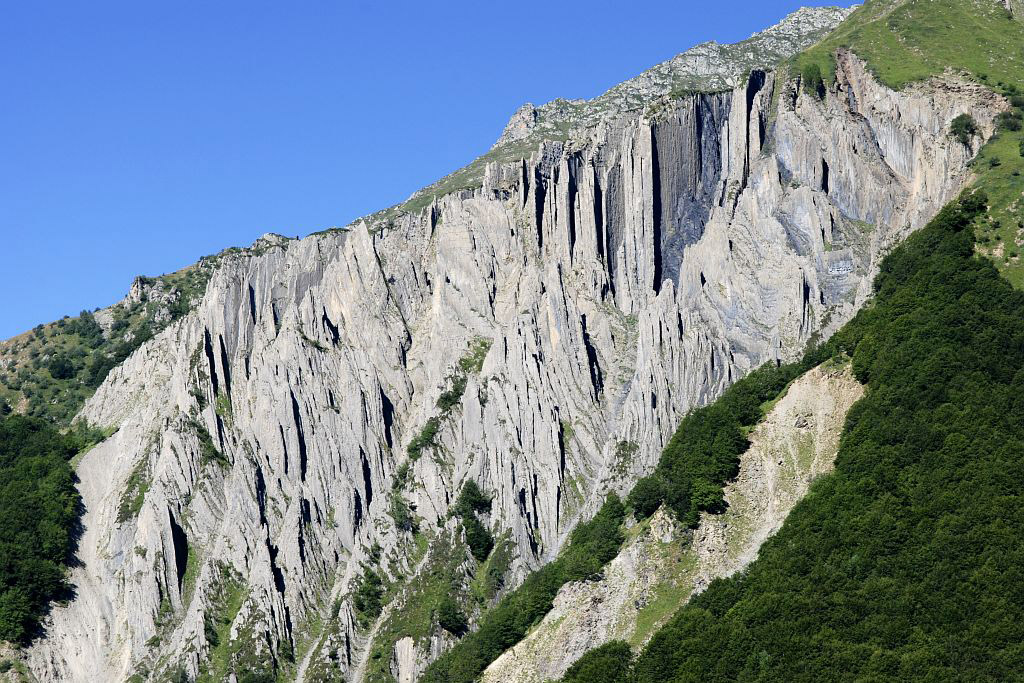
[{"x": 38, "y": 515}]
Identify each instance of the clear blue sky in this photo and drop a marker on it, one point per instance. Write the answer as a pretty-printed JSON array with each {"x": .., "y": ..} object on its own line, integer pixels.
[{"x": 138, "y": 136}]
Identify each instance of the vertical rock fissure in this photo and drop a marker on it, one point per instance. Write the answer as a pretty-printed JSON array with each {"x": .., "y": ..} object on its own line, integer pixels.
[
  {"x": 208, "y": 348},
  {"x": 224, "y": 364},
  {"x": 656, "y": 208},
  {"x": 301, "y": 437},
  {"x": 570, "y": 218},
  {"x": 805, "y": 302},
  {"x": 538, "y": 199},
  {"x": 533, "y": 501},
  {"x": 261, "y": 495},
  {"x": 598, "y": 216},
  {"x": 367, "y": 479},
  {"x": 558, "y": 508},
  {"x": 284, "y": 447},
  {"x": 562, "y": 437},
  {"x": 596, "y": 378},
  {"x": 387, "y": 413},
  {"x": 275, "y": 570},
  {"x": 180, "y": 543}
]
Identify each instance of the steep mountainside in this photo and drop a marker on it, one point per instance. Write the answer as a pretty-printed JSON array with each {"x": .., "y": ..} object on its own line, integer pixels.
[{"x": 277, "y": 497}]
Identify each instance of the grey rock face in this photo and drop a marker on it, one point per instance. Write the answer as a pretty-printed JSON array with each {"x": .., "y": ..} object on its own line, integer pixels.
[
  {"x": 609, "y": 284},
  {"x": 708, "y": 67}
]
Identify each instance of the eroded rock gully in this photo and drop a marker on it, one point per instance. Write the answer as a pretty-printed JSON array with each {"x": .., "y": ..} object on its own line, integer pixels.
[{"x": 662, "y": 565}]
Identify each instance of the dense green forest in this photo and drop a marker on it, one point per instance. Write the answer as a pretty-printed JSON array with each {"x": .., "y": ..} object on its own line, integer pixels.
[
  {"x": 38, "y": 515},
  {"x": 908, "y": 562}
]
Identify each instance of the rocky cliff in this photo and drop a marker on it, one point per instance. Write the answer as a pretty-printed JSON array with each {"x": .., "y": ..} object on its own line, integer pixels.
[{"x": 541, "y": 334}]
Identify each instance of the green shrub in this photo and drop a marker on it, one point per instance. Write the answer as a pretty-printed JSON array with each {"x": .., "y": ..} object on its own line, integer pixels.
[
  {"x": 609, "y": 663},
  {"x": 451, "y": 397},
  {"x": 402, "y": 515},
  {"x": 646, "y": 497},
  {"x": 1009, "y": 121},
  {"x": 963, "y": 128},
  {"x": 471, "y": 502},
  {"x": 60, "y": 368},
  {"x": 368, "y": 595},
  {"x": 427, "y": 438},
  {"x": 450, "y": 616},
  {"x": 478, "y": 538},
  {"x": 402, "y": 476},
  {"x": 473, "y": 361}
]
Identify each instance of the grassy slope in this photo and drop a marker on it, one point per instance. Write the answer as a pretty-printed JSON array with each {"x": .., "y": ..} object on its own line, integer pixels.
[
  {"x": 1001, "y": 232},
  {"x": 904, "y": 41},
  {"x": 29, "y": 384},
  {"x": 910, "y": 40}
]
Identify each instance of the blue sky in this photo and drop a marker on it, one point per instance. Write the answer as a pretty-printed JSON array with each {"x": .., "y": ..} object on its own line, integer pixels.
[{"x": 138, "y": 136}]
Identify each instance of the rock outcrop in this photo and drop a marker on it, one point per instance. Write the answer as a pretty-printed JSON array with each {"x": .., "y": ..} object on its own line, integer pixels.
[
  {"x": 542, "y": 334},
  {"x": 707, "y": 67},
  {"x": 661, "y": 565}
]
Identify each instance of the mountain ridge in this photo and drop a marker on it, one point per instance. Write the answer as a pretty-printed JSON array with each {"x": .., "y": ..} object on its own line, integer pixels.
[{"x": 295, "y": 440}]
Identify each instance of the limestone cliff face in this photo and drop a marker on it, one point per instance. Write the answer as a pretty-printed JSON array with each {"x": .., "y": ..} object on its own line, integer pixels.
[{"x": 583, "y": 299}]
